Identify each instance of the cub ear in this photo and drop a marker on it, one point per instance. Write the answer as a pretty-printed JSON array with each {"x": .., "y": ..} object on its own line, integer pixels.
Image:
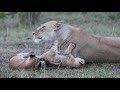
[
  {"x": 32, "y": 55},
  {"x": 58, "y": 25}
]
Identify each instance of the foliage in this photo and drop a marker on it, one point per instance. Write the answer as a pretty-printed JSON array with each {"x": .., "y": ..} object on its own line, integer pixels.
[
  {"x": 2, "y": 15},
  {"x": 114, "y": 15},
  {"x": 29, "y": 18}
]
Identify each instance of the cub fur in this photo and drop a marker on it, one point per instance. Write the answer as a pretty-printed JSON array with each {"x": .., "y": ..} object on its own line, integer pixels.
[
  {"x": 68, "y": 60},
  {"x": 24, "y": 61}
]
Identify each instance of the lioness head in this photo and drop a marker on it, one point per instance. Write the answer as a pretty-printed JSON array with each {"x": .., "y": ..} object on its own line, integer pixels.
[{"x": 48, "y": 32}]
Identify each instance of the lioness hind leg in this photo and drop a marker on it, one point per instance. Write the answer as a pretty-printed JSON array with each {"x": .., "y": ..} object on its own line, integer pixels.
[{"x": 69, "y": 49}]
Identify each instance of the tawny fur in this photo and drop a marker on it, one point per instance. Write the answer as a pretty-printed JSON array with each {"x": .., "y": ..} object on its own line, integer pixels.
[
  {"x": 24, "y": 61},
  {"x": 67, "y": 60},
  {"x": 92, "y": 48}
]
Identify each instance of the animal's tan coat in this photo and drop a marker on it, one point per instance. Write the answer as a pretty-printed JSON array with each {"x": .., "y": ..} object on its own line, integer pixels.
[{"x": 90, "y": 47}]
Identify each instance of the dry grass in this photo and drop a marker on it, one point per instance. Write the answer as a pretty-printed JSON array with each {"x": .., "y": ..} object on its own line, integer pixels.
[{"x": 17, "y": 39}]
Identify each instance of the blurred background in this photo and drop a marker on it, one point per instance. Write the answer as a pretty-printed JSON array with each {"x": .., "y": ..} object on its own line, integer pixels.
[{"x": 31, "y": 20}]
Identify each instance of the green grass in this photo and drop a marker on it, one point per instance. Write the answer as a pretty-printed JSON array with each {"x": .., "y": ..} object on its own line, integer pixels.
[
  {"x": 93, "y": 71},
  {"x": 15, "y": 38}
]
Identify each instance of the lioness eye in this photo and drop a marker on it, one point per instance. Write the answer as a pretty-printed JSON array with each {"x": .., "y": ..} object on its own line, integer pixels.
[{"x": 57, "y": 25}]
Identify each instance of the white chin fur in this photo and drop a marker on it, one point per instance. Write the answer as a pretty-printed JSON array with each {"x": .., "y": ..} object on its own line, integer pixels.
[{"x": 37, "y": 41}]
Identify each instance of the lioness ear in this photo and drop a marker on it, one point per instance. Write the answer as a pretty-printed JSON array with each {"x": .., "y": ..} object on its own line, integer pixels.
[
  {"x": 58, "y": 25},
  {"x": 61, "y": 21}
]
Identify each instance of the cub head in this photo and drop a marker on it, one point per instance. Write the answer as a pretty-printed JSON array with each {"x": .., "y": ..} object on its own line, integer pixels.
[{"x": 47, "y": 32}]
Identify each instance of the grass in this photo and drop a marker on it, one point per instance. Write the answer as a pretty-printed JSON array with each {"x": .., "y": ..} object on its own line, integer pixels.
[{"x": 15, "y": 39}]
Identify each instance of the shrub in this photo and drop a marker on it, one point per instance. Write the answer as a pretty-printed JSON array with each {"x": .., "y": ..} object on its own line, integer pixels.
[
  {"x": 114, "y": 15},
  {"x": 29, "y": 18},
  {"x": 2, "y": 15}
]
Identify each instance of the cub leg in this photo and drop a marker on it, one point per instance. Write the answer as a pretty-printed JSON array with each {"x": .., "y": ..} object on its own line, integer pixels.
[
  {"x": 55, "y": 47},
  {"x": 69, "y": 49}
]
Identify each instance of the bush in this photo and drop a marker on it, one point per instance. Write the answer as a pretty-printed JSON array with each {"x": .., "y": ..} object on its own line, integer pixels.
[
  {"x": 114, "y": 15},
  {"x": 2, "y": 15},
  {"x": 29, "y": 18}
]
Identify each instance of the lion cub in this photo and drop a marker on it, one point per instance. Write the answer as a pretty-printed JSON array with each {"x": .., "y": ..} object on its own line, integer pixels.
[
  {"x": 67, "y": 60},
  {"x": 24, "y": 61}
]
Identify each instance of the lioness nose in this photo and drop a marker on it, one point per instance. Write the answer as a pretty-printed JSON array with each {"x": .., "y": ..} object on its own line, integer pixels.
[
  {"x": 33, "y": 33},
  {"x": 40, "y": 37}
]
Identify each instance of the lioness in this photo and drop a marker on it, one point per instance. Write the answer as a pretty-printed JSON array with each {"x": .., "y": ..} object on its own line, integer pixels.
[
  {"x": 53, "y": 56},
  {"x": 90, "y": 47},
  {"x": 24, "y": 61}
]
